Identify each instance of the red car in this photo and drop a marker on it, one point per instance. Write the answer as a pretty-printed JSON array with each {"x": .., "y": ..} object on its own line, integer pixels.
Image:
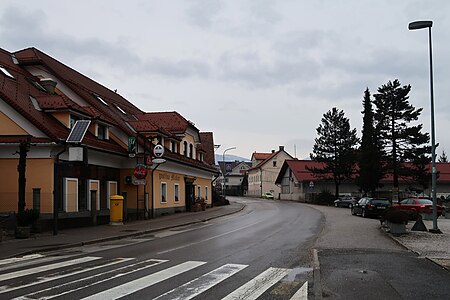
[{"x": 422, "y": 206}]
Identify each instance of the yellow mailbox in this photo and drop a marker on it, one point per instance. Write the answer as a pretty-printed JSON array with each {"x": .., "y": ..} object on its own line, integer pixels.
[{"x": 116, "y": 210}]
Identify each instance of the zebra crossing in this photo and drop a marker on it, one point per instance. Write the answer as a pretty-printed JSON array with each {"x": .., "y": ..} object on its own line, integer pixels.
[{"x": 94, "y": 277}]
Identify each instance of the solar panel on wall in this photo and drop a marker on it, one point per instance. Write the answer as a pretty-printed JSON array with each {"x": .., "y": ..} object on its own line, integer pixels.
[{"x": 78, "y": 131}]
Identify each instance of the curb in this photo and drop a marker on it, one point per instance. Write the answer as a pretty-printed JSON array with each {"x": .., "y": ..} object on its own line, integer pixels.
[
  {"x": 119, "y": 237},
  {"x": 316, "y": 275}
]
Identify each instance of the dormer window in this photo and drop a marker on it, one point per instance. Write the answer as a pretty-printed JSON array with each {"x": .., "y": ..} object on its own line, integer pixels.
[
  {"x": 185, "y": 148},
  {"x": 6, "y": 72},
  {"x": 73, "y": 119},
  {"x": 173, "y": 146},
  {"x": 102, "y": 132},
  {"x": 191, "y": 150}
]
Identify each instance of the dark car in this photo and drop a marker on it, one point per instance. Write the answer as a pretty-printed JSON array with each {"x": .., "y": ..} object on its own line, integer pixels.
[
  {"x": 420, "y": 205},
  {"x": 347, "y": 201},
  {"x": 370, "y": 207}
]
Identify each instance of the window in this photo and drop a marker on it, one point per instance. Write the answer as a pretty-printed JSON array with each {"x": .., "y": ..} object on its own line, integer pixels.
[
  {"x": 6, "y": 72},
  {"x": 70, "y": 195},
  {"x": 94, "y": 185},
  {"x": 199, "y": 191},
  {"x": 163, "y": 192},
  {"x": 101, "y": 99},
  {"x": 101, "y": 132},
  {"x": 274, "y": 163},
  {"x": 191, "y": 150},
  {"x": 206, "y": 193},
  {"x": 120, "y": 109},
  {"x": 35, "y": 103},
  {"x": 73, "y": 119},
  {"x": 176, "y": 192},
  {"x": 185, "y": 148},
  {"x": 111, "y": 191},
  {"x": 201, "y": 157},
  {"x": 173, "y": 147}
]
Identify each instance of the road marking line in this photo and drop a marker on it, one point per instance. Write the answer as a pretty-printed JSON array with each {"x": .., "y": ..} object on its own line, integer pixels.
[
  {"x": 197, "y": 286},
  {"x": 20, "y": 259},
  {"x": 302, "y": 293},
  {"x": 208, "y": 239},
  {"x": 153, "y": 262},
  {"x": 258, "y": 285},
  {"x": 46, "y": 268},
  {"x": 146, "y": 281},
  {"x": 39, "y": 280}
]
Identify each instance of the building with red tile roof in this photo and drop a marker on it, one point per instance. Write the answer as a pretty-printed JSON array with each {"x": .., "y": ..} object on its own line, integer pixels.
[
  {"x": 264, "y": 171},
  {"x": 41, "y": 99},
  {"x": 300, "y": 184}
]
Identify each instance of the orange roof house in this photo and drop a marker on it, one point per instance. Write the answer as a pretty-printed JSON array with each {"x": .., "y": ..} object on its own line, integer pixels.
[{"x": 41, "y": 99}]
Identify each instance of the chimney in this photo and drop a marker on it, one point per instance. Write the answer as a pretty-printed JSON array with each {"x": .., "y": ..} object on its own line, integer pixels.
[
  {"x": 49, "y": 85},
  {"x": 281, "y": 148}
]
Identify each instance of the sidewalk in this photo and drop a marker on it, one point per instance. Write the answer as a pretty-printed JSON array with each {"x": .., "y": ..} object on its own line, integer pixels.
[
  {"x": 75, "y": 237},
  {"x": 435, "y": 247}
]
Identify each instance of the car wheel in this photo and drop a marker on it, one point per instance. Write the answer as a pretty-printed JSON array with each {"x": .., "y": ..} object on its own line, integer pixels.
[{"x": 363, "y": 213}]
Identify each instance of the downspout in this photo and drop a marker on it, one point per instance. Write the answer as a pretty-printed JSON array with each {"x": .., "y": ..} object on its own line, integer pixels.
[{"x": 57, "y": 190}]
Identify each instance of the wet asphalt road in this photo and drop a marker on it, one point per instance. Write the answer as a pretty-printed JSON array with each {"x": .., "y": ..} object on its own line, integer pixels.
[{"x": 266, "y": 235}]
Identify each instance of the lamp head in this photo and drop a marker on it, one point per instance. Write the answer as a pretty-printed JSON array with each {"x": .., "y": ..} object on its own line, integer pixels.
[{"x": 420, "y": 24}]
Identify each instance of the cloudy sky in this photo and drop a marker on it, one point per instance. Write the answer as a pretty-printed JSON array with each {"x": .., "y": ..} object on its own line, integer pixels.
[{"x": 257, "y": 73}]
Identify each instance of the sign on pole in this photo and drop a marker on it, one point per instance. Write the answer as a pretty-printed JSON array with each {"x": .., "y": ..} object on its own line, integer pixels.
[
  {"x": 158, "y": 151},
  {"x": 131, "y": 146}
]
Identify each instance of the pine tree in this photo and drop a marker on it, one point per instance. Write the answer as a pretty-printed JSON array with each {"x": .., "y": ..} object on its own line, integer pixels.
[
  {"x": 369, "y": 156},
  {"x": 402, "y": 142},
  {"x": 334, "y": 147},
  {"x": 443, "y": 157}
]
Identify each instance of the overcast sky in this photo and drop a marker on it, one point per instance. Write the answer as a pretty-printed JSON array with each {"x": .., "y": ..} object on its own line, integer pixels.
[{"x": 259, "y": 73}]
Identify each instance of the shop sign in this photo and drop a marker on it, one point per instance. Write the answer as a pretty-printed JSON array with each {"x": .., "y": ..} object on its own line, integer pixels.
[
  {"x": 136, "y": 181},
  {"x": 140, "y": 171}
]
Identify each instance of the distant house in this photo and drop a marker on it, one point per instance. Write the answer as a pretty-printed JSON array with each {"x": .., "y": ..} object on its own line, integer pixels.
[
  {"x": 299, "y": 184},
  {"x": 264, "y": 171},
  {"x": 233, "y": 174},
  {"x": 41, "y": 100}
]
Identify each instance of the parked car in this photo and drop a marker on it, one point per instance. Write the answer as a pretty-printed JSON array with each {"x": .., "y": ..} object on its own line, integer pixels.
[
  {"x": 267, "y": 195},
  {"x": 346, "y": 201},
  {"x": 420, "y": 205},
  {"x": 370, "y": 207}
]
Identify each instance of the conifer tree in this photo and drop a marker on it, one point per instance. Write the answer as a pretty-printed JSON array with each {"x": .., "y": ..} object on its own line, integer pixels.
[
  {"x": 369, "y": 156},
  {"x": 402, "y": 142},
  {"x": 335, "y": 148},
  {"x": 443, "y": 157}
]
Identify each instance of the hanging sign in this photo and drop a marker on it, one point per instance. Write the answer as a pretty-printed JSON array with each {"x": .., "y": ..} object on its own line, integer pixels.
[
  {"x": 158, "y": 151},
  {"x": 140, "y": 171}
]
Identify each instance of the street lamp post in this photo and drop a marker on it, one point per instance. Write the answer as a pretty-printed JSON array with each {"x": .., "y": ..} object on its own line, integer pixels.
[
  {"x": 224, "y": 171},
  {"x": 414, "y": 26}
]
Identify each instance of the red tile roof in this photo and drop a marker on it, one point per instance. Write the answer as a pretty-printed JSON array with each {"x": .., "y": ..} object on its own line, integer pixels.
[
  {"x": 172, "y": 121},
  {"x": 301, "y": 173},
  {"x": 260, "y": 156}
]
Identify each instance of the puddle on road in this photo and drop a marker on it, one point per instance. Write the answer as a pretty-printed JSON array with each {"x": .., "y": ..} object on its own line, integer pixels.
[{"x": 291, "y": 276}]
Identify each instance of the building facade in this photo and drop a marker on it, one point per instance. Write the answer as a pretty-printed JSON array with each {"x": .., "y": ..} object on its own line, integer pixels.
[
  {"x": 41, "y": 100},
  {"x": 264, "y": 172},
  {"x": 299, "y": 184}
]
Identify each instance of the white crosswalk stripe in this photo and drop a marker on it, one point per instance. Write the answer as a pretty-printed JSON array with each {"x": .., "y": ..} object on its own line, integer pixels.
[
  {"x": 34, "y": 270},
  {"x": 257, "y": 286},
  {"x": 94, "y": 277},
  {"x": 197, "y": 286},
  {"x": 146, "y": 281}
]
